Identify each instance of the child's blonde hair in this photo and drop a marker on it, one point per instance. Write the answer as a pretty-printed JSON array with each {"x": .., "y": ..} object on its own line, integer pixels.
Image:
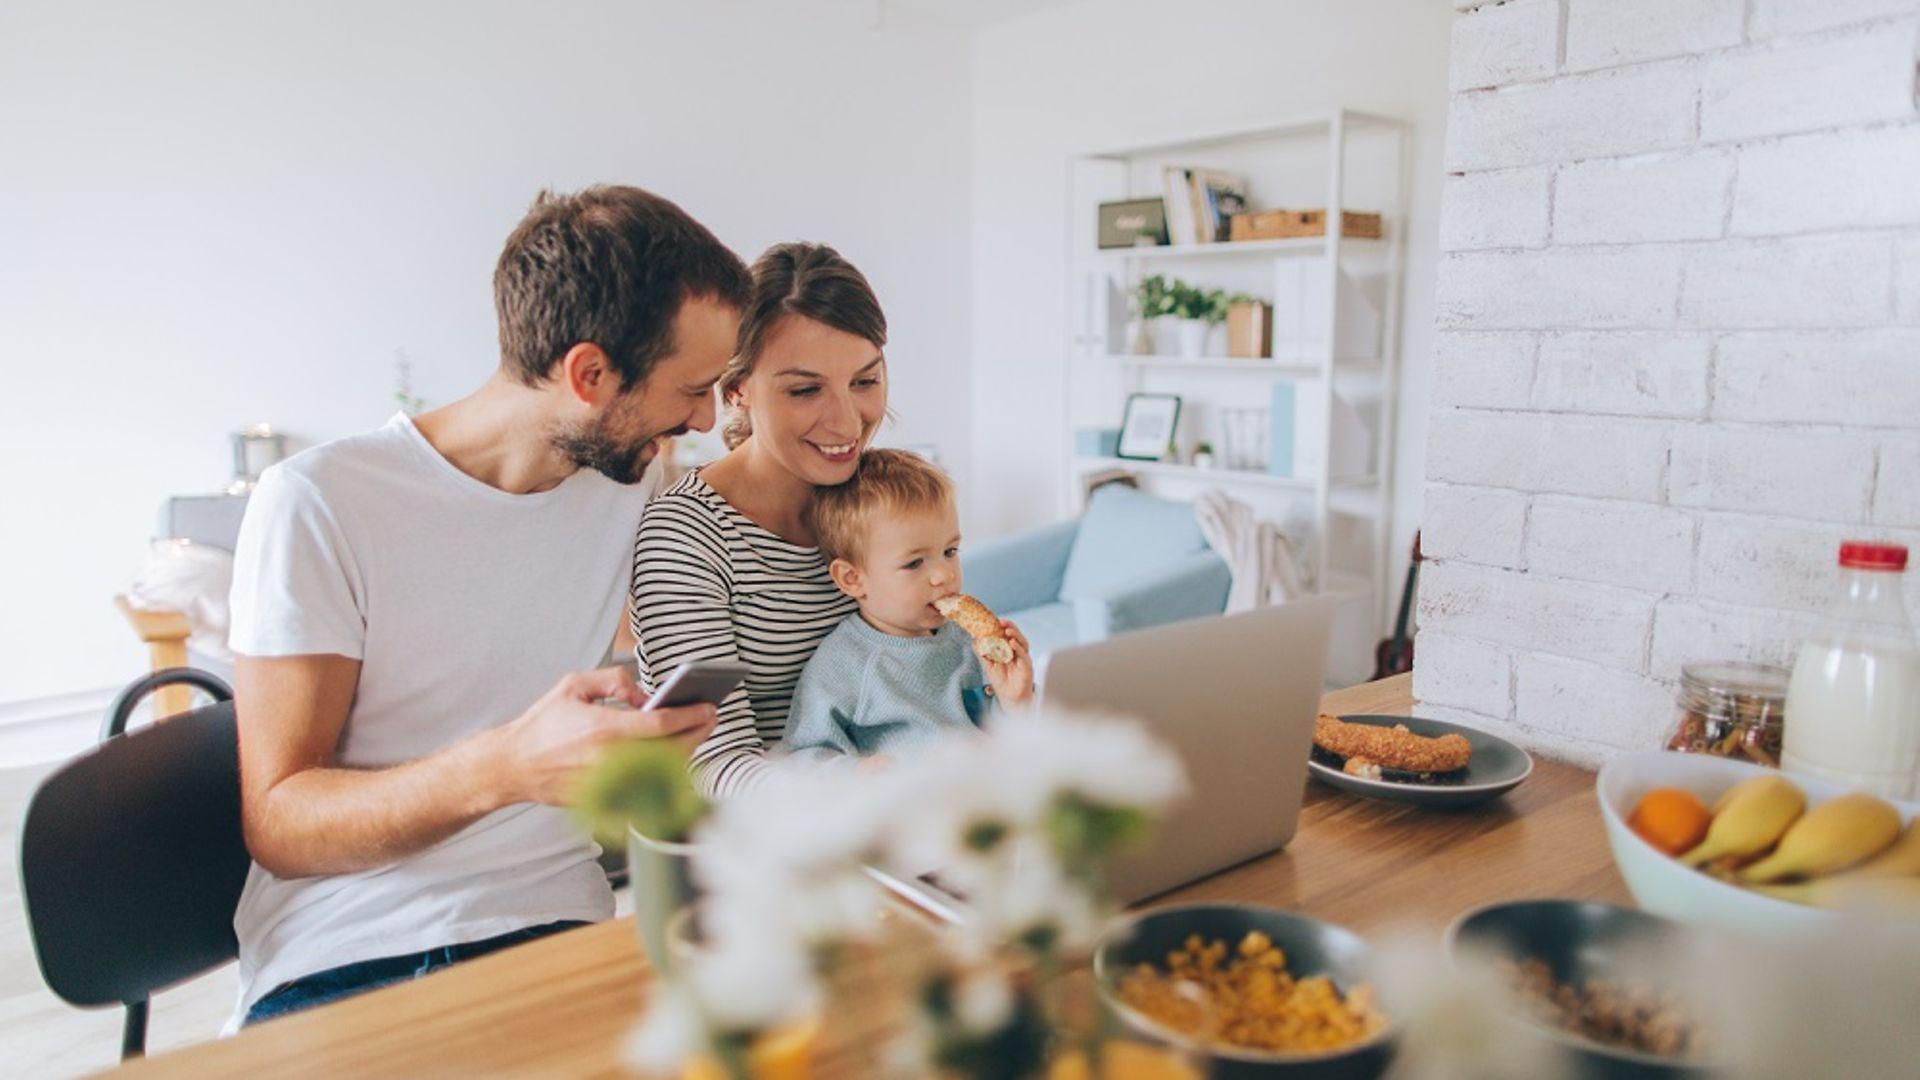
[{"x": 891, "y": 480}]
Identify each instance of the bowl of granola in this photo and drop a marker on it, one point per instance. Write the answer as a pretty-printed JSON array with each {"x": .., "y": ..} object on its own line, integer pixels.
[
  {"x": 1251, "y": 991},
  {"x": 1614, "y": 990}
]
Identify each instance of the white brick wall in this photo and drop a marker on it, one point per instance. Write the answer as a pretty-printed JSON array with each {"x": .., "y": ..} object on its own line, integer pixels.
[
  {"x": 1643, "y": 547},
  {"x": 1477, "y": 525},
  {"x": 1615, "y": 112},
  {"x": 1825, "y": 474},
  {"x": 1850, "y": 77},
  {"x": 1531, "y": 452},
  {"x": 1511, "y": 43},
  {"x": 1838, "y": 180},
  {"x": 1838, "y": 280},
  {"x": 1624, "y": 374},
  {"x": 1467, "y": 674},
  {"x": 1906, "y": 270},
  {"x": 1679, "y": 348},
  {"x": 1507, "y": 208},
  {"x": 1869, "y": 378},
  {"x": 1605, "y": 33},
  {"x": 1898, "y": 500},
  {"x": 1493, "y": 371},
  {"x": 1637, "y": 199},
  {"x": 1601, "y": 288},
  {"x": 1774, "y": 17}
]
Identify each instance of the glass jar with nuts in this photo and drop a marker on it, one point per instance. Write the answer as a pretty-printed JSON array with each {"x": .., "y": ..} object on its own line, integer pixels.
[{"x": 1731, "y": 709}]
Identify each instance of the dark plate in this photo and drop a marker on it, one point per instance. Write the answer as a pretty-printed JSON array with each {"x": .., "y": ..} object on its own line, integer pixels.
[
  {"x": 1580, "y": 940},
  {"x": 1495, "y": 768},
  {"x": 1312, "y": 947}
]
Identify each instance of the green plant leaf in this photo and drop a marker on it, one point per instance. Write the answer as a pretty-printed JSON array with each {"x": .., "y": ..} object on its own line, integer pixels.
[{"x": 643, "y": 783}]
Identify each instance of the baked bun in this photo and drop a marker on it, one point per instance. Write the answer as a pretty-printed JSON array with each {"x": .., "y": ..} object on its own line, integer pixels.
[{"x": 981, "y": 623}]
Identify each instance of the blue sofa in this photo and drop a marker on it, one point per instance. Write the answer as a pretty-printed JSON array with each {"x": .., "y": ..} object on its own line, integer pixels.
[{"x": 1132, "y": 561}]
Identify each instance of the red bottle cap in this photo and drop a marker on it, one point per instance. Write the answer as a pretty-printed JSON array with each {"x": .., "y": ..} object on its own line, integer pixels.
[{"x": 1869, "y": 555}]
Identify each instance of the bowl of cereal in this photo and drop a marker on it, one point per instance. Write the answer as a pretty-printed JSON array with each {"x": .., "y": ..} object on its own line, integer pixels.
[
  {"x": 1616, "y": 990},
  {"x": 1252, "y": 991}
]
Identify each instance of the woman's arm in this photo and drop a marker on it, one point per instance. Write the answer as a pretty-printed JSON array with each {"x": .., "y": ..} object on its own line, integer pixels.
[{"x": 682, "y": 610}]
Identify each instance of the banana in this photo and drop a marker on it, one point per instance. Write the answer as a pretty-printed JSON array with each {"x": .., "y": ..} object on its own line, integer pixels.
[
  {"x": 1900, "y": 860},
  {"x": 1832, "y": 836},
  {"x": 1749, "y": 818},
  {"x": 1853, "y": 893}
]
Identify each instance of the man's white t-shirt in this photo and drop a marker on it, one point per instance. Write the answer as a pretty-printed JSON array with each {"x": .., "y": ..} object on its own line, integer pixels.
[{"x": 464, "y": 604}]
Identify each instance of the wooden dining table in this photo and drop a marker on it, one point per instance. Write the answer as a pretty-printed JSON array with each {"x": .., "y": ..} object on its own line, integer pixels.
[{"x": 564, "y": 1005}]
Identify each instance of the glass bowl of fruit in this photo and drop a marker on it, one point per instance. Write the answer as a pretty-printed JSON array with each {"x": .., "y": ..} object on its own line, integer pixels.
[{"x": 1714, "y": 841}]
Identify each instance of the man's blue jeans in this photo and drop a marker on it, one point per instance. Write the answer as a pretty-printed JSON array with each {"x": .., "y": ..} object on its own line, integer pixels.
[{"x": 350, "y": 979}]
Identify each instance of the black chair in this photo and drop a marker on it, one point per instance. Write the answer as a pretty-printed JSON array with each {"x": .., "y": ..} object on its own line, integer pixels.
[{"x": 132, "y": 859}]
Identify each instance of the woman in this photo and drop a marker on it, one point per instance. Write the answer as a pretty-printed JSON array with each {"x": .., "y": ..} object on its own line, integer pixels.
[{"x": 725, "y": 565}]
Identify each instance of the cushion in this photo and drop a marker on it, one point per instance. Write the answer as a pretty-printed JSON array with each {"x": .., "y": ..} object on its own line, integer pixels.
[
  {"x": 1047, "y": 627},
  {"x": 1125, "y": 533}
]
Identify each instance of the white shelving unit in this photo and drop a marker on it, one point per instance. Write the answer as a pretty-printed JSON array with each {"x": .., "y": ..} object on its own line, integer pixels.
[{"x": 1337, "y": 161}]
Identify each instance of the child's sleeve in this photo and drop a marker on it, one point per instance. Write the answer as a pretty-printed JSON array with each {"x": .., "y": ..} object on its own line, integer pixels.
[{"x": 820, "y": 718}]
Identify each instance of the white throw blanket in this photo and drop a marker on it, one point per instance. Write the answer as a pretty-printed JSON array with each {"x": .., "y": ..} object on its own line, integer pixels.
[
  {"x": 1257, "y": 552},
  {"x": 193, "y": 579}
]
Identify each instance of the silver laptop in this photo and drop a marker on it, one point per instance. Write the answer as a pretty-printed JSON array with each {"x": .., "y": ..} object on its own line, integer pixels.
[{"x": 1235, "y": 696}]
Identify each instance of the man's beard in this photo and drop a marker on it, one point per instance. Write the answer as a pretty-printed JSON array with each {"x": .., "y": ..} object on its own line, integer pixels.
[{"x": 594, "y": 447}]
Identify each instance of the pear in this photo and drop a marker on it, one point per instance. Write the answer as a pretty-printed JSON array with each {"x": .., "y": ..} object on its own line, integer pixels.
[
  {"x": 1749, "y": 818},
  {"x": 1832, "y": 836}
]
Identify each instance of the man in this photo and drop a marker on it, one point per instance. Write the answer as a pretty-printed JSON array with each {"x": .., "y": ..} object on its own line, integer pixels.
[{"x": 404, "y": 600}]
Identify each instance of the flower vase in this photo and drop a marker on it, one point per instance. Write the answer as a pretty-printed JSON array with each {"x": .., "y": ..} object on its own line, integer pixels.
[
  {"x": 1193, "y": 337},
  {"x": 1139, "y": 337},
  {"x": 661, "y": 875}
]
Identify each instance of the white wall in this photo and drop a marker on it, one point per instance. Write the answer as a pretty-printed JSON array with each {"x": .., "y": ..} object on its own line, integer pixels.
[
  {"x": 1121, "y": 72},
  {"x": 216, "y": 213},
  {"x": 1680, "y": 316}
]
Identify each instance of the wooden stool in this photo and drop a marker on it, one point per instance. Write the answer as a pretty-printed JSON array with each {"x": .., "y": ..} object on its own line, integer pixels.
[{"x": 165, "y": 633}]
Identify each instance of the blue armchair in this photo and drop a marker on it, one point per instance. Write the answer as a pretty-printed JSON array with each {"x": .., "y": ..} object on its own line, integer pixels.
[{"x": 1132, "y": 561}]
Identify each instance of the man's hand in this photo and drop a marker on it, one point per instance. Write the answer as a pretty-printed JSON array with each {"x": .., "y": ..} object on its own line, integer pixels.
[
  {"x": 540, "y": 752},
  {"x": 1012, "y": 682},
  {"x": 303, "y": 814}
]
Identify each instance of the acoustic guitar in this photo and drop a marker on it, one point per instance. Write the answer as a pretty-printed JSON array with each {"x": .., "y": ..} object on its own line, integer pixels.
[{"x": 1394, "y": 655}]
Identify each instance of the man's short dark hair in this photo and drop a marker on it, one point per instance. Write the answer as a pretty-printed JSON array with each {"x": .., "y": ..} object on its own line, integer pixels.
[{"x": 609, "y": 265}]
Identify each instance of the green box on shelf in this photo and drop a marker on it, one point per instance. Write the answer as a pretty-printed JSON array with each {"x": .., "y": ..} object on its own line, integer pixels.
[
  {"x": 1280, "y": 438},
  {"x": 1096, "y": 442}
]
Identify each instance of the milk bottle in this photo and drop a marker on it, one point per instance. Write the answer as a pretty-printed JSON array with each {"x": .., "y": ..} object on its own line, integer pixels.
[{"x": 1853, "y": 703}]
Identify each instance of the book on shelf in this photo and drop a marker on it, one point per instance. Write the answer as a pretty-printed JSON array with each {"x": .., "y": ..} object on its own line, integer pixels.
[
  {"x": 1218, "y": 196},
  {"x": 1201, "y": 203}
]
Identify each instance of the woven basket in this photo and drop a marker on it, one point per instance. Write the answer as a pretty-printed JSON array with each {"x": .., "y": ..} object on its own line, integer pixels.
[{"x": 1289, "y": 224}]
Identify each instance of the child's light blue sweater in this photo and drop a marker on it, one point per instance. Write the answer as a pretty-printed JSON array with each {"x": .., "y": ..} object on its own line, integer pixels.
[{"x": 868, "y": 692}]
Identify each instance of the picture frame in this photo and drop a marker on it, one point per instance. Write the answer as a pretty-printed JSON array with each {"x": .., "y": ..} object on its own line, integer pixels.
[
  {"x": 1133, "y": 223},
  {"x": 1148, "y": 425}
]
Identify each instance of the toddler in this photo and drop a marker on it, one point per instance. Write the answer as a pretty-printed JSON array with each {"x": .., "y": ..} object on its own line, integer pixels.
[{"x": 895, "y": 675}]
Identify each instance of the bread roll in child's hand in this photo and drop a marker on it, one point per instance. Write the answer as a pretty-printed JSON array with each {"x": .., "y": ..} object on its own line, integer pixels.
[{"x": 977, "y": 620}]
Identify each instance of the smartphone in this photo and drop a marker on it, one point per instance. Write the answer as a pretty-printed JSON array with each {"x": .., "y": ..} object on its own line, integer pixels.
[{"x": 703, "y": 680}]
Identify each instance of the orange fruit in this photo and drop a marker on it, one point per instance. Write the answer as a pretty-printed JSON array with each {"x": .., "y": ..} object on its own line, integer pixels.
[{"x": 1670, "y": 819}]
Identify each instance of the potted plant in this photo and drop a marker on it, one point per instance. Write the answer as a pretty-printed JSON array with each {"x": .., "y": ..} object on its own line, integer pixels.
[
  {"x": 1199, "y": 311},
  {"x": 1024, "y": 819},
  {"x": 1151, "y": 301}
]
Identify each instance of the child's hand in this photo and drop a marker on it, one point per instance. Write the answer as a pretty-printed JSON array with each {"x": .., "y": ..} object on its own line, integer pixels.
[{"x": 1012, "y": 682}]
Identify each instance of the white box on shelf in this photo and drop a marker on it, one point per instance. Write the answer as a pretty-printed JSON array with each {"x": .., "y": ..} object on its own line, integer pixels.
[
  {"x": 1300, "y": 312},
  {"x": 1101, "y": 312},
  {"x": 1299, "y": 416}
]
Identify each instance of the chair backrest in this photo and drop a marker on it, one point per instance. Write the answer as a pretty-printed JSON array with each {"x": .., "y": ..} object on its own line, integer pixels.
[
  {"x": 132, "y": 860},
  {"x": 1126, "y": 533}
]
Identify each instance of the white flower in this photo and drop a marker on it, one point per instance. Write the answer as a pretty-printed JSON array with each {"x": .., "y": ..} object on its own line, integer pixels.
[
  {"x": 743, "y": 985},
  {"x": 669, "y": 1033},
  {"x": 983, "y": 1000}
]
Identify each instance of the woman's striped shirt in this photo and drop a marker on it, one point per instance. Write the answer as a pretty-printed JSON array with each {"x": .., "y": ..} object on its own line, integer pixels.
[{"x": 710, "y": 584}]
